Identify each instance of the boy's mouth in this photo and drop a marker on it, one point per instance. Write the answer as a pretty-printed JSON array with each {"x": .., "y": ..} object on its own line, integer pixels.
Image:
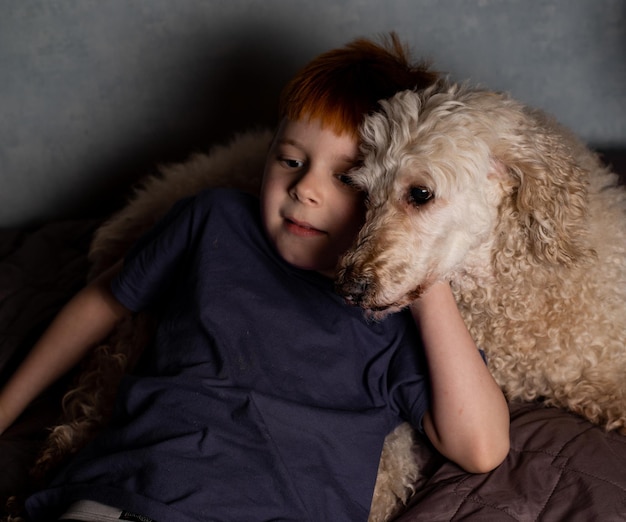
[{"x": 301, "y": 228}]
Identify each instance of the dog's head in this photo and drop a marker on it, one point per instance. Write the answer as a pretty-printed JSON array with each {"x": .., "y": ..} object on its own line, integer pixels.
[{"x": 440, "y": 168}]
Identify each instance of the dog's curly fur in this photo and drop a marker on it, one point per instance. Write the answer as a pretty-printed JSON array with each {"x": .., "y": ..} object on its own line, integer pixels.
[
  {"x": 469, "y": 186},
  {"x": 87, "y": 405}
]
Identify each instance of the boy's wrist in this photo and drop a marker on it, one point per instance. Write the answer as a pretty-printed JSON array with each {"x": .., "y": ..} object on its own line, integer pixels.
[{"x": 436, "y": 293}]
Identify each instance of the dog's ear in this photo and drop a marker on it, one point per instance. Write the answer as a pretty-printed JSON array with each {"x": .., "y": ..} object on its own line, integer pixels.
[{"x": 547, "y": 205}]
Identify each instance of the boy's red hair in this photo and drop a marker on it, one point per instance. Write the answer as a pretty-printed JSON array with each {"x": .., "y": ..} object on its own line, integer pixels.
[{"x": 341, "y": 86}]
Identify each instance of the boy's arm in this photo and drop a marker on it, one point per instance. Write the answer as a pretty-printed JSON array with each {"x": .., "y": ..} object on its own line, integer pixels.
[
  {"x": 468, "y": 420},
  {"x": 86, "y": 319}
]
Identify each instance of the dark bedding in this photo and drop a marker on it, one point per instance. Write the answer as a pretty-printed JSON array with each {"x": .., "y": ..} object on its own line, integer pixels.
[
  {"x": 560, "y": 468},
  {"x": 40, "y": 269}
]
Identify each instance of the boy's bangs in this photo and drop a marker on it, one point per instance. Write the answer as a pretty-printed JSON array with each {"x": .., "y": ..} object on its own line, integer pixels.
[
  {"x": 336, "y": 119},
  {"x": 334, "y": 107}
]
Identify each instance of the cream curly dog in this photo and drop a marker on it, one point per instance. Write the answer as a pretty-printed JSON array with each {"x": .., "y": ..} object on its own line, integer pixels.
[{"x": 470, "y": 186}]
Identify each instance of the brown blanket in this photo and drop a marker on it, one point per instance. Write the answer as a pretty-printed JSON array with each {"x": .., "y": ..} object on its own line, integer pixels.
[{"x": 560, "y": 468}]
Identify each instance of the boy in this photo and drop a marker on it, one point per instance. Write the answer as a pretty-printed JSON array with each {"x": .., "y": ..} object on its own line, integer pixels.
[{"x": 266, "y": 397}]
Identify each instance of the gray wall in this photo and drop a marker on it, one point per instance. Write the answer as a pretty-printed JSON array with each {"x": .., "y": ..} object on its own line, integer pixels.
[{"x": 95, "y": 92}]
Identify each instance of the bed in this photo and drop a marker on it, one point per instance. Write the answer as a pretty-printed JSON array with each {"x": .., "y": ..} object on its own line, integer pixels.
[{"x": 560, "y": 467}]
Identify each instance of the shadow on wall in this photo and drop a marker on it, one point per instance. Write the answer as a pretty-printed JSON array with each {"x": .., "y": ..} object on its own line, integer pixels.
[{"x": 240, "y": 92}]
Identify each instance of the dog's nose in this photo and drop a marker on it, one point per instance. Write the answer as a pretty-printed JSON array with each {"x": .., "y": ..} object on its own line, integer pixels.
[{"x": 352, "y": 290}]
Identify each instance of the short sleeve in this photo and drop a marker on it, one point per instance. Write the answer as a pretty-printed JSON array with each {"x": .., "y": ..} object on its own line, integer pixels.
[
  {"x": 408, "y": 383},
  {"x": 151, "y": 261}
]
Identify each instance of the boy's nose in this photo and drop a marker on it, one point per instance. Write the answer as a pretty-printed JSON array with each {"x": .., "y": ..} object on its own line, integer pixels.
[{"x": 306, "y": 189}]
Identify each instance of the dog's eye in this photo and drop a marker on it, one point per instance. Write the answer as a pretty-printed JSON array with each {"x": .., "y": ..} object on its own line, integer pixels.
[{"x": 419, "y": 196}]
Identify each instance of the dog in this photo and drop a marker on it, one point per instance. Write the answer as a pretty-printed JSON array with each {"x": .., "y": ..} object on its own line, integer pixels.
[{"x": 469, "y": 186}]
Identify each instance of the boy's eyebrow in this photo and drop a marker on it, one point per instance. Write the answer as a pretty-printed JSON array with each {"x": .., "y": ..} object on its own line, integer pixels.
[
  {"x": 352, "y": 160},
  {"x": 297, "y": 144},
  {"x": 289, "y": 141}
]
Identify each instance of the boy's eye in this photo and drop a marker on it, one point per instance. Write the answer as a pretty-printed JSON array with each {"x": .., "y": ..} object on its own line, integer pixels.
[
  {"x": 346, "y": 179},
  {"x": 291, "y": 163}
]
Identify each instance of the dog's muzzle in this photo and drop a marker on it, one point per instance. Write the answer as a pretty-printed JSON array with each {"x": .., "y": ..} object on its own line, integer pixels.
[
  {"x": 360, "y": 290},
  {"x": 352, "y": 290},
  {"x": 356, "y": 288}
]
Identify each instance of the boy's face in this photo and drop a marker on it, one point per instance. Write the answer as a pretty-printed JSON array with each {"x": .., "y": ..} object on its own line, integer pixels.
[{"x": 310, "y": 212}]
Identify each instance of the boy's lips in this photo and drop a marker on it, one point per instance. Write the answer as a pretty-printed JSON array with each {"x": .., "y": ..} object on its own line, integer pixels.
[{"x": 301, "y": 228}]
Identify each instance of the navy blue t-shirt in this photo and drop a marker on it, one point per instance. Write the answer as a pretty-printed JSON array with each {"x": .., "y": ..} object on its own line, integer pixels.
[{"x": 264, "y": 397}]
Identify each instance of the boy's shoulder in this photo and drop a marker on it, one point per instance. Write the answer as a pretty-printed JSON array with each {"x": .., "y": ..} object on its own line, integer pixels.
[
  {"x": 227, "y": 209},
  {"x": 221, "y": 201},
  {"x": 210, "y": 206},
  {"x": 225, "y": 198}
]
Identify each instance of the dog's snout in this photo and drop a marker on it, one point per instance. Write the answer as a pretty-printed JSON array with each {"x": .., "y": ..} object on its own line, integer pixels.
[{"x": 352, "y": 289}]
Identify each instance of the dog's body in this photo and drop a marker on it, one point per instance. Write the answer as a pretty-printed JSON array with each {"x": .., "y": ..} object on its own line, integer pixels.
[{"x": 472, "y": 187}]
